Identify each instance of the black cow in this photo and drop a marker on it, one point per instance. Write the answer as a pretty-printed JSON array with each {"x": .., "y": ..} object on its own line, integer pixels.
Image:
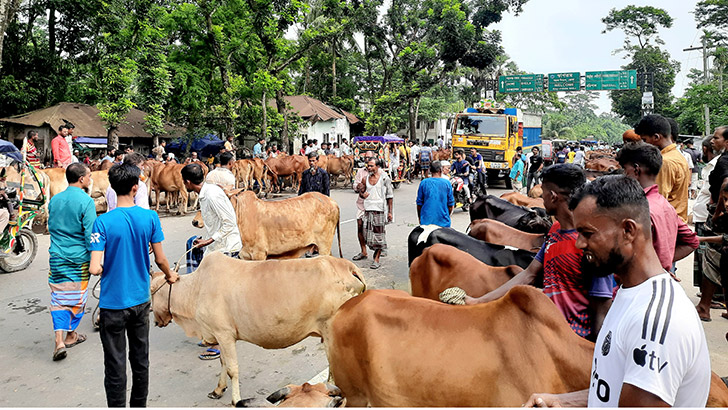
[
  {"x": 493, "y": 255},
  {"x": 532, "y": 220}
]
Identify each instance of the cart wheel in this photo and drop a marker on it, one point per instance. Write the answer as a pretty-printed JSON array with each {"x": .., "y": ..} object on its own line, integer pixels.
[{"x": 26, "y": 246}]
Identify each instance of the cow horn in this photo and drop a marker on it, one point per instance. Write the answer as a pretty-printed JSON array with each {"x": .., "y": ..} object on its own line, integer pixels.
[
  {"x": 279, "y": 395},
  {"x": 333, "y": 390}
]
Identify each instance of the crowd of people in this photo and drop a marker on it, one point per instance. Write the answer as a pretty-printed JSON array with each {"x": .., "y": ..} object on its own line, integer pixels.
[{"x": 608, "y": 263}]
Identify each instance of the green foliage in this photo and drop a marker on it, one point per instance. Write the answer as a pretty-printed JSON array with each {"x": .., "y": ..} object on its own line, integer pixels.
[
  {"x": 577, "y": 120},
  {"x": 639, "y": 22},
  {"x": 712, "y": 13}
]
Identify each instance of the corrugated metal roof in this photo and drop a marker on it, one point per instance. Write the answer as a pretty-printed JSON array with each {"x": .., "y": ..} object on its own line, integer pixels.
[
  {"x": 86, "y": 120},
  {"x": 314, "y": 110}
]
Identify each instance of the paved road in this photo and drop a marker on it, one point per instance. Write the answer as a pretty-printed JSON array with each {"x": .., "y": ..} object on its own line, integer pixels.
[{"x": 178, "y": 378}]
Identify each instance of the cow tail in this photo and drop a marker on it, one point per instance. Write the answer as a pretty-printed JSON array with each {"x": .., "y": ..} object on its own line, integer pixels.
[{"x": 338, "y": 235}]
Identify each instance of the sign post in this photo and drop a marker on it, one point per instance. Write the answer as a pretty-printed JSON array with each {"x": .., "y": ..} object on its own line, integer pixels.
[
  {"x": 528, "y": 83},
  {"x": 611, "y": 80},
  {"x": 564, "y": 82}
]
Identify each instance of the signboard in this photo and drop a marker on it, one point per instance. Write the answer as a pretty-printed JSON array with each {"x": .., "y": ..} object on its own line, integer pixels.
[
  {"x": 529, "y": 83},
  {"x": 564, "y": 82},
  {"x": 611, "y": 80}
]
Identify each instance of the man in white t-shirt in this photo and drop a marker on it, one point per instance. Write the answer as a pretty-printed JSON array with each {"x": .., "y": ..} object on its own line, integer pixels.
[{"x": 651, "y": 349}]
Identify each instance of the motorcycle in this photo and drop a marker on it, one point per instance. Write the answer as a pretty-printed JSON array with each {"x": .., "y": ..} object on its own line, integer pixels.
[{"x": 458, "y": 191}]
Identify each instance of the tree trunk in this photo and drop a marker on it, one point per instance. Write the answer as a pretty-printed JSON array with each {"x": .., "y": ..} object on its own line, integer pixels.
[
  {"x": 281, "y": 105},
  {"x": 224, "y": 76},
  {"x": 369, "y": 73},
  {"x": 333, "y": 66},
  {"x": 412, "y": 118},
  {"x": 264, "y": 127},
  {"x": 112, "y": 138},
  {"x": 8, "y": 9},
  {"x": 52, "y": 29}
]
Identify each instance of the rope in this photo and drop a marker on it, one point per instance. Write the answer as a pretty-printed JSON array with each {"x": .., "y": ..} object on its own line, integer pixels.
[{"x": 453, "y": 296}]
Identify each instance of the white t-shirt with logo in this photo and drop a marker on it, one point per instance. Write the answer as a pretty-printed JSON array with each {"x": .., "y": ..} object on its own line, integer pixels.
[{"x": 652, "y": 339}]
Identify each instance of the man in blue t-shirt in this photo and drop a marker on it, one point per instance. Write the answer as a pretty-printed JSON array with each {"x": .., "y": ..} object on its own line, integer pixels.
[
  {"x": 434, "y": 198},
  {"x": 122, "y": 237},
  {"x": 461, "y": 169}
]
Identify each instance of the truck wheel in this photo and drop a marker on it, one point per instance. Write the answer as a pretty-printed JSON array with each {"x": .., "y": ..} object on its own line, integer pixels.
[{"x": 26, "y": 246}]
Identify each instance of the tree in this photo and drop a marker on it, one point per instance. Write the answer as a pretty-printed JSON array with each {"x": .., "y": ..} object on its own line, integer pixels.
[
  {"x": 712, "y": 14},
  {"x": 642, "y": 23},
  {"x": 8, "y": 8}
]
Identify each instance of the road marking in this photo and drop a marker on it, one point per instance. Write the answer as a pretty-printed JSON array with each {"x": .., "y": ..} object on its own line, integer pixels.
[
  {"x": 321, "y": 377},
  {"x": 348, "y": 220}
]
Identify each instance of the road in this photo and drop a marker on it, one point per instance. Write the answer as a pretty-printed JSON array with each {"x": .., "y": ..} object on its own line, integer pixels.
[{"x": 177, "y": 377}]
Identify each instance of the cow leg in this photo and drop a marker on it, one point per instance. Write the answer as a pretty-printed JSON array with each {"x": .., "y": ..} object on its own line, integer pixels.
[
  {"x": 157, "y": 192},
  {"x": 230, "y": 366},
  {"x": 182, "y": 206},
  {"x": 221, "y": 382}
]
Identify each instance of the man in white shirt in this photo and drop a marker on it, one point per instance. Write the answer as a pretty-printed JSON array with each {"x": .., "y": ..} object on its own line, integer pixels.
[
  {"x": 345, "y": 150},
  {"x": 651, "y": 349},
  {"x": 223, "y": 176},
  {"x": 141, "y": 199}
]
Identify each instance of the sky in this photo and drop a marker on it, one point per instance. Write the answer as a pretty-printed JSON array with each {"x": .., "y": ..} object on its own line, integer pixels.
[{"x": 566, "y": 35}]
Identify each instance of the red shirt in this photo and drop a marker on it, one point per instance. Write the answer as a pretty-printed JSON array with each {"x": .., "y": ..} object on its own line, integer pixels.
[
  {"x": 61, "y": 153},
  {"x": 668, "y": 230}
]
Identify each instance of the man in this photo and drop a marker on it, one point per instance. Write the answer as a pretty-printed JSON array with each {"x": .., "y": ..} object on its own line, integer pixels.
[
  {"x": 314, "y": 179},
  {"x": 222, "y": 176},
  {"x": 516, "y": 174},
  {"x": 141, "y": 198},
  {"x": 121, "y": 238},
  {"x": 119, "y": 157},
  {"x": 377, "y": 192},
  {"x": 358, "y": 181},
  {"x": 159, "y": 151},
  {"x": 414, "y": 156},
  {"x": 128, "y": 150},
  {"x": 519, "y": 152},
  {"x": 321, "y": 149},
  {"x": 435, "y": 200},
  {"x": 583, "y": 302},
  {"x": 70, "y": 137},
  {"x": 327, "y": 149},
  {"x": 229, "y": 146},
  {"x": 580, "y": 157},
  {"x": 651, "y": 350},
  {"x": 425, "y": 158},
  {"x": 345, "y": 150},
  {"x": 445, "y": 170},
  {"x": 440, "y": 143},
  {"x": 672, "y": 238},
  {"x": 109, "y": 155},
  {"x": 535, "y": 165},
  {"x": 31, "y": 149},
  {"x": 309, "y": 147},
  {"x": 462, "y": 170},
  {"x": 74, "y": 157},
  {"x": 336, "y": 150},
  {"x": 258, "y": 148},
  {"x": 71, "y": 215},
  {"x": 59, "y": 147},
  {"x": 674, "y": 177}
]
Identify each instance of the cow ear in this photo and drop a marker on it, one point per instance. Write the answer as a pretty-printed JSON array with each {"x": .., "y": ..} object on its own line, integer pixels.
[
  {"x": 279, "y": 395},
  {"x": 333, "y": 389}
]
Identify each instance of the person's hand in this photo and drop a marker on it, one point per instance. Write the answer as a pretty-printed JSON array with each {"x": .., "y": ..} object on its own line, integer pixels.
[
  {"x": 543, "y": 400},
  {"x": 389, "y": 217},
  {"x": 14, "y": 216},
  {"x": 173, "y": 277},
  {"x": 199, "y": 243}
]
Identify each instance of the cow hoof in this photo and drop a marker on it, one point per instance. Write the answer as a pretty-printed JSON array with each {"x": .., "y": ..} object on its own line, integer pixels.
[
  {"x": 244, "y": 403},
  {"x": 214, "y": 395}
]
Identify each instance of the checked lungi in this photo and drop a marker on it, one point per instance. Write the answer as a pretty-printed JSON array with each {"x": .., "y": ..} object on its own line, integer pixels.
[
  {"x": 69, "y": 291},
  {"x": 194, "y": 257},
  {"x": 374, "y": 222}
]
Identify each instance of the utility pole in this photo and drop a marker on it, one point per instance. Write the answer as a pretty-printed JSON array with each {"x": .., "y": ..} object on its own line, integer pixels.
[{"x": 705, "y": 81}]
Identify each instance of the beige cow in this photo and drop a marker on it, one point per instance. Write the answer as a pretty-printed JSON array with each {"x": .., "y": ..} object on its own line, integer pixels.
[
  {"x": 286, "y": 228},
  {"x": 272, "y": 304}
]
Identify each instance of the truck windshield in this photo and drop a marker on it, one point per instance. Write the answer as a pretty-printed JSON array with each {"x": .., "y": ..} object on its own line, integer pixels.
[{"x": 481, "y": 125}]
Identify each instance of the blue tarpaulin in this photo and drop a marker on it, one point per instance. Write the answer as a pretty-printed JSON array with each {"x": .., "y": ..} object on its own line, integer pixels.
[
  {"x": 206, "y": 146},
  {"x": 7, "y": 148}
]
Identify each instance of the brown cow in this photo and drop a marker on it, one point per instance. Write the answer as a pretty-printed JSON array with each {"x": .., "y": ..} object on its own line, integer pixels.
[
  {"x": 440, "y": 266},
  {"x": 306, "y": 395},
  {"x": 284, "y": 229},
  {"x": 498, "y": 233},
  {"x": 536, "y": 191},
  {"x": 517, "y": 198},
  {"x": 602, "y": 164},
  {"x": 388, "y": 348},
  {"x": 243, "y": 170},
  {"x": 168, "y": 179},
  {"x": 340, "y": 166},
  {"x": 292, "y": 165}
]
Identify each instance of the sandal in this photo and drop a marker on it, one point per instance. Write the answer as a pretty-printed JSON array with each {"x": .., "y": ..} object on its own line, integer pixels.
[
  {"x": 375, "y": 265},
  {"x": 359, "y": 256},
  {"x": 724, "y": 315},
  {"x": 79, "y": 339},
  {"x": 59, "y": 354},
  {"x": 210, "y": 354}
]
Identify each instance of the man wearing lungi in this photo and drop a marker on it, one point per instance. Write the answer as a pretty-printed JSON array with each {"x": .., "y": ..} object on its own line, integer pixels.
[
  {"x": 377, "y": 192},
  {"x": 71, "y": 215}
]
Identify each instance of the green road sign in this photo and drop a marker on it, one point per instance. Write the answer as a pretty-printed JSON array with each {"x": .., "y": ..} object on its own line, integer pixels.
[
  {"x": 564, "y": 82},
  {"x": 529, "y": 83},
  {"x": 611, "y": 80}
]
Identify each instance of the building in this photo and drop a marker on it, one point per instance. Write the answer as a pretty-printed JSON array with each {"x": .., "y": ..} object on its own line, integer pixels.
[
  {"x": 89, "y": 128},
  {"x": 324, "y": 123}
]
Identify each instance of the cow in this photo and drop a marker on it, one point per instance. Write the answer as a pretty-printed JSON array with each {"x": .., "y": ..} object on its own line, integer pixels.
[
  {"x": 168, "y": 179},
  {"x": 243, "y": 170},
  {"x": 306, "y": 395},
  {"x": 340, "y": 166},
  {"x": 272, "y": 304},
  {"x": 536, "y": 191},
  {"x": 498, "y": 233},
  {"x": 525, "y": 219},
  {"x": 57, "y": 183},
  {"x": 494, "y": 255},
  {"x": 284, "y": 229},
  {"x": 441, "y": 267},
  {"x": 390, "y": 349},
  {"x": 292, "y": 165},
  {"x": 602, "y": 164},
  {"x": 517, "y": 198}
]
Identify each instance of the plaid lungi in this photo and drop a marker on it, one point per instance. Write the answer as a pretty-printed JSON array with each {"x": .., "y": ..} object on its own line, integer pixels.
[
  {"x": 194, "y": 257},
  {"x": 374, "y": 222}
]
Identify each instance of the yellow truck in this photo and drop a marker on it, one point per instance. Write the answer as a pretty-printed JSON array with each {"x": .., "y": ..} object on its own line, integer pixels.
[{"x": 495, "y": 132}]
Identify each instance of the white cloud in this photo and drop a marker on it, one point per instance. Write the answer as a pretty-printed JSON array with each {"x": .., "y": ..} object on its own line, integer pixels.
[{"x": 566, "y": 35}]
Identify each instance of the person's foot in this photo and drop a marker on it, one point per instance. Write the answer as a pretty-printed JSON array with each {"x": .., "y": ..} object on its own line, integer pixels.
[
  {"x": 375, "y": 265},
  {"x": 703, "y": 314},
  {"x": 80, "y": 338},
  {"x": 359, "y": 256},
  {"x": 59, "y": 353},
  {"x": 384, "y": 252}
]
